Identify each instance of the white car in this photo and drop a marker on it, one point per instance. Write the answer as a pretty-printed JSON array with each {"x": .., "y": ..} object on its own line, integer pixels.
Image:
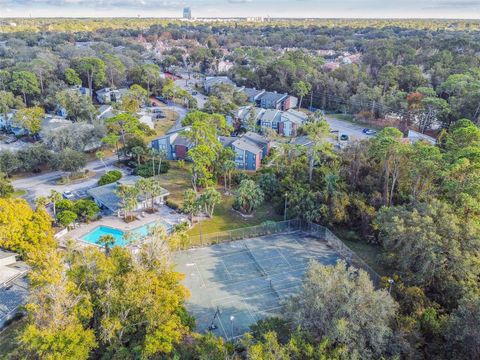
[{"x": 67, "y": 194}]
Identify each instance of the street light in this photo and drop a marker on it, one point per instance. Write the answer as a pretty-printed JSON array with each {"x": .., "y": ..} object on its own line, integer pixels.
[
  {"x": 231, "y": 323},
  {"x": 390, "y": 283}
]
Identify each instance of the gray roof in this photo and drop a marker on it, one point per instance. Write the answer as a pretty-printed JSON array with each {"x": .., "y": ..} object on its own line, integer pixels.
[
  {"x": 270, "y": 115},
  {"x": 226, "y": 140},
  {"x": 273, "y": 96},
  {"x": 182, "y": 141},
  {"x": 106, "y": 195},
  {"x": 256, "y": 138},
  {"x": 252, "y": 92},
  {"x": 216, "y": 80},
  {"x": 7, "y": 254},
  {"x": 247, "y": 145},
  {"x": 294, "y": 116}
]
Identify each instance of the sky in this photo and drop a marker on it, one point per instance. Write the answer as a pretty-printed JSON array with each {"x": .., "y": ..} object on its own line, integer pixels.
[{"x": 241, "y": 8}]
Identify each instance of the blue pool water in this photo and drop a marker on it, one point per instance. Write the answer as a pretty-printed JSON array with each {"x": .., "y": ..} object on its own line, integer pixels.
[{"x": 122, "y": 238}]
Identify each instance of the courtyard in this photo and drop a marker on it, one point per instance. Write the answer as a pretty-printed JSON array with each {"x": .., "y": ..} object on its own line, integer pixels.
[{"x": 235, "y": 284}]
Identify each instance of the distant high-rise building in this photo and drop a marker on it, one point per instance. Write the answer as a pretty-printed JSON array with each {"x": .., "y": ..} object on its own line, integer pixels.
[{"x": 187, "y": 13}]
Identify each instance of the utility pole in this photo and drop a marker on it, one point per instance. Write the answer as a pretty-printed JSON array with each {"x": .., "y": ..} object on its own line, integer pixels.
[
  {"x": 231, "y": 322},
  {"x": 285, "y": 210},
  {"x": 311, "y": 100},
  {"x": 390, "y": 283}
]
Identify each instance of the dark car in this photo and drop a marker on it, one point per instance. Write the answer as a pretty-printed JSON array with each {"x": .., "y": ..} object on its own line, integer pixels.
[{"x": 344, "y": 137}]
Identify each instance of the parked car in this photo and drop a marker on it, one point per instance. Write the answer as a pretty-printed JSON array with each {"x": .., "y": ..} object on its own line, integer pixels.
[
  {"x": 10, "y": 139},
  {"x": 367, "y": 131},
  {"x": 67, "y": 194},
  {"x": 194, "y": 92},
  {"x": 344, "y": 137}
]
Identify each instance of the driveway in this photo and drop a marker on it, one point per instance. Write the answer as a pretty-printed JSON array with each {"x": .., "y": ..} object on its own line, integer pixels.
[{"x": 41, "y": 185}]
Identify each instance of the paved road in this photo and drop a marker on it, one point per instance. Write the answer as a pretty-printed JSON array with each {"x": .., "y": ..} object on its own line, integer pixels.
[
  {"x": 189, "y": 85},
  {"x": 41, "y": 185},
  {"x": 180, "y": 110}
]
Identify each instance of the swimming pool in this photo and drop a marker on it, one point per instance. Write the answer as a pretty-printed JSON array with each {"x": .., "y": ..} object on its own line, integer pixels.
[{"x": 122, "y": 238}]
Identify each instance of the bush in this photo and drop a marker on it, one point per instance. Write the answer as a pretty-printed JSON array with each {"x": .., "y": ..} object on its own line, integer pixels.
[
  {"x": 110, "y": 177},
  {"x": 63, "y": 205},
  {"x": 183, "y": 226},
  {"x": 66, "y": 217},
  {"x": 173, "y": 205},
  {"x": 146, "y": 170},
  {"x": 238, "y": 176},
  {"x": 86, "y": 209}
]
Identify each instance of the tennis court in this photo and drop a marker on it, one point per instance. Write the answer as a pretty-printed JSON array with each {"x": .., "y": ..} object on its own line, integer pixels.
[{"x": 235, "y": 284}]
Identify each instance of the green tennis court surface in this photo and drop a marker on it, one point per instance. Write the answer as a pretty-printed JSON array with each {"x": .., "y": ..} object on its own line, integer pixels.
[{"x": 235, "y": 284}]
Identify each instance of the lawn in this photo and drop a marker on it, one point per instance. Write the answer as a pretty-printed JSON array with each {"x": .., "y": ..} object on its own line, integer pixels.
[
  {"x": 18, "y": 193},
  {"x": 176, "y": 181},
  {"x": 226, "y": 219},
  {"x": 8, "y": 342},
  {"x": 370, "y": 253}
]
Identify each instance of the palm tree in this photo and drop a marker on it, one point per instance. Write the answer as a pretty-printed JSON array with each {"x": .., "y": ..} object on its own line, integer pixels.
[
  {"x": 41, "y": 201},
  {"x": 100, "y": 155},
  {"x": 156, "y": 190},
  {"x": 129, "y": 196},
  {"x": 151, "y": 153},
  {"x": 55, "y": 197},
  {"x": 161, "y": 156},
  {"x": 107, "y": 241},
  {"x": 228, "y": 167},
  {"x": 138, "y": 151}
]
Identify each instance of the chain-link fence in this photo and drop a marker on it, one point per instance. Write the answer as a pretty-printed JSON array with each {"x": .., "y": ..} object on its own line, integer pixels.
[
  {"x": 266, "y": 228},
  {"x": 270, "y": 227},
  {"x": 347, "y": 254}
]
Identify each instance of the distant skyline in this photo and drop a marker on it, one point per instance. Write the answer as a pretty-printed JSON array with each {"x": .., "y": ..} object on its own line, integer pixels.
[{"x": 469, "y": 9}]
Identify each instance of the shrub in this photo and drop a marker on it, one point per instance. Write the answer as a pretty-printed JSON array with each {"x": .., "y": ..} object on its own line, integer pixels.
[
  {"x": 63, "y": 205},
  {"x": 66, "y": 217},
  {"x": 110, "y": 177},
  {"x": 146, "y": 170},
  {"x": 173, "y": 205},
  {"x": 86, "y": 209},
  {"x": 183, "y": 226}
]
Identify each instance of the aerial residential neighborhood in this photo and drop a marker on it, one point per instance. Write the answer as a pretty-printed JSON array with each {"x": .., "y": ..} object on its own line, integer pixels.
[{"x": 239, "y": 181}]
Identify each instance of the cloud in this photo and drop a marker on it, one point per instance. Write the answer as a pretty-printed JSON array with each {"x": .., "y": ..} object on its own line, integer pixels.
[
  {"x": 106, "y": 4},
  {"x": 453, "y": 4}
]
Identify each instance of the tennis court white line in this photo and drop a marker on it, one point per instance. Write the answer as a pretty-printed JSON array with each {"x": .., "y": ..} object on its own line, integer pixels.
[
  {"x": 201, "y": 276},
  {"x": 284, "y": 258},
  {"x": 226, "y": 269}
]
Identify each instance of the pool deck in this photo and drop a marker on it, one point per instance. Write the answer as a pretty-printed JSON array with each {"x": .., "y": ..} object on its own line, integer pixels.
[{"x": 164, "y": 213}]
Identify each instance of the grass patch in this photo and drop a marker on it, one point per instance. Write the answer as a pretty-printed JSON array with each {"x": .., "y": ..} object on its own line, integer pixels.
[
  {"x": 8, "y": 339},
  {"x": 76, "y": 177},
  {"x": 163, "y": 125},
  {"x": 344, "y": 117},
  {"x": 226, "y": 219},
  {"x": 176, "y": 181},
  {"x": 370, "y": 253},
  {"x": 18, "y": 193}
]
